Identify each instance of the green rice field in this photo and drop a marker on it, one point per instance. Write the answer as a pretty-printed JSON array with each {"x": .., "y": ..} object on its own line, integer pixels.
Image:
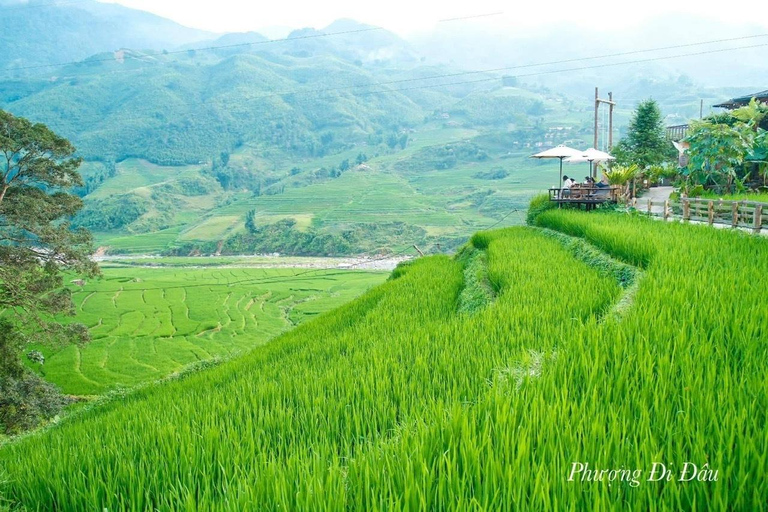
[
  {"x": 486, "y": 381},
  {"x": 147, "y": 323}
]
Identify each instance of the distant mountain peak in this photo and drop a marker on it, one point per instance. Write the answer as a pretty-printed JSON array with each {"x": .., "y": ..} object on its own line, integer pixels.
[{"x": 347, "y": 24}]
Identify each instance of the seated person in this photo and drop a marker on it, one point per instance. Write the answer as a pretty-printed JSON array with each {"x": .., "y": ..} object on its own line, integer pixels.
[
  {"x": 567, "y": 183},
  {"x": 603, "y": 183}
]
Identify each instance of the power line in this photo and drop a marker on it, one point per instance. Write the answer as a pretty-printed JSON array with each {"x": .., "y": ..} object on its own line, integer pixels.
[
  {"x": 306, "y": 92},
  {"x": 446, "y": 75},
  {"x": 501, "y": 219},
  {"x": 207, "y": 48},
  {"x": 230, "y": 46}
]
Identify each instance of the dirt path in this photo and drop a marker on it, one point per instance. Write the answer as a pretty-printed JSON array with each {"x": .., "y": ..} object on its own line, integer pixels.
[
  {"x": 657, "y": 195},
  {"x": 148, "y": 261}
]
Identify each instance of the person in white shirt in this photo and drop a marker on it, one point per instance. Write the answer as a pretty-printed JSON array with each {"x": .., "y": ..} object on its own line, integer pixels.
[{"x": 567, "y": 183}]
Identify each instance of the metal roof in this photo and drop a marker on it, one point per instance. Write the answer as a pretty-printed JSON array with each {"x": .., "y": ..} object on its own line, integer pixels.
[{"x": 743, "y": 100}]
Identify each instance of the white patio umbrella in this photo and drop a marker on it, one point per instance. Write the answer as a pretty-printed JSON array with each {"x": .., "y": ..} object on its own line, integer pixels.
[
  {"x": 560, "y": 152},
  {"x": 591, "y": 155}
]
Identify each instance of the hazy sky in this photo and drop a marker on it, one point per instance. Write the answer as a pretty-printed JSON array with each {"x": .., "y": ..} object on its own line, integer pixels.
[{"x": 409, "y": 16}]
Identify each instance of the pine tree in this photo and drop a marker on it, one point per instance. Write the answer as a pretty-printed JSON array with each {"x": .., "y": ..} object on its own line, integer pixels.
[{"x": 645, "y": 144}]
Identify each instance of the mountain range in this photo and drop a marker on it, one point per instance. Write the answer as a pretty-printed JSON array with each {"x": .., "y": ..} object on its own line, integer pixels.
[{"x": 185, "y": 132}]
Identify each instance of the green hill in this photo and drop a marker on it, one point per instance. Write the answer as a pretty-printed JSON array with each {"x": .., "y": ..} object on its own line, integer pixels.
[
  {"x": 472, "y": 382},
  {"x": 180, "y": 147},
  {"x": 47, "y": 32}
]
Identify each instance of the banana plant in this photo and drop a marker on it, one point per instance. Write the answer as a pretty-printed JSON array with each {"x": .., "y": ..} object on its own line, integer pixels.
[{"x": 718, "y": 152}]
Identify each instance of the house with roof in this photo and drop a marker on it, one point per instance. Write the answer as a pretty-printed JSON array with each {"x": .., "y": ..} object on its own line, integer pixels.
[{"x": 741, "y": 101}]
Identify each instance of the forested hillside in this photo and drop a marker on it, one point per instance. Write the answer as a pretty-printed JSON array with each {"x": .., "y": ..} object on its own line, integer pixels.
[
  {"x": 332, "y": 141},
  {"x": 40, "y": 33},
  {"x": 188, "y": 143}
]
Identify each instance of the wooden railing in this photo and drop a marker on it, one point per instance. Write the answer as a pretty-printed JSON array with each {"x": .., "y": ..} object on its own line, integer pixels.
[
  {"x": 678, "y": 132},
  {"x": 585, "y": 193},
  {"x": 736, "y": 214}
]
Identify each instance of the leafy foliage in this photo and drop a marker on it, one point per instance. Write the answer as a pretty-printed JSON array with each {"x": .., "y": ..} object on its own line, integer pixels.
[
  {"x": 493, "y": 174},
  {"x": 113, "y": 212},
  {"x": 718, "y": 153},
  {"x": 442, "y": 157},
  {"x": 26, "y": 400},
  {"x": 186, "y": 110},
  {"x": 36, "y": 246},
  {"x": 622, "y": 174},
  {"x": 645, "y": 144}
]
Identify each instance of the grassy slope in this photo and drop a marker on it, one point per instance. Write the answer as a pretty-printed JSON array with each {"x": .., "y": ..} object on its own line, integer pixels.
[
  {"x": 381, "y": 404},
  {"x": 440, "y": 201},
  {"x": 148, "y": 323}
]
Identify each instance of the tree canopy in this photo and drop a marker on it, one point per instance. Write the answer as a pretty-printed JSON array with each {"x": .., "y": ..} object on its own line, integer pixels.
[
  {"x": 724, "y": 147},
  {"x": 645, "y": 144},
  {"x": 37, "y": 246}
]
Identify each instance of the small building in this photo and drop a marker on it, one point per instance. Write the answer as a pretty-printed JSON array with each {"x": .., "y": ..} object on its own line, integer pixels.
[{"x": 741, "y": 101}]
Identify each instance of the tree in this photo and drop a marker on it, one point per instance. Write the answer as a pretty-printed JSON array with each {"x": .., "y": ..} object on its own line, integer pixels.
[
  {"x": 392, "y": 140},
  {"x": 250, "y": 222},
  {"x": 37, "y": 245},
  {"x": 754, "y": 114},
  {"x": 645, "y": 144},
  {"x": 717, "y": 153}
]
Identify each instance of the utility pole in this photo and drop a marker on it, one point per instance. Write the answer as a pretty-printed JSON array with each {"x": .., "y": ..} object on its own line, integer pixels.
[
  {"x": 611, "y": 104},
  {"x": 701, "y": 109},
  {"x": 597, "y": 108}
]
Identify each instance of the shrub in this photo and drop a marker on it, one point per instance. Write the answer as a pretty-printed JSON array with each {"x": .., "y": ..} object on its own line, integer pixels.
[
  {"x": 538, "y": 205},
  {"x": 27, "y": 401}
]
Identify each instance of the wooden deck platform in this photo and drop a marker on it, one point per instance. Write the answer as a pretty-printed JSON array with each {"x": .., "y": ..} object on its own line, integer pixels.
[{"x": 589, "y": 196}]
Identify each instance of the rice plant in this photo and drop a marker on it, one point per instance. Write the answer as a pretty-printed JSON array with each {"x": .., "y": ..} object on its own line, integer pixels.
[{"x": 398, "y": 400}]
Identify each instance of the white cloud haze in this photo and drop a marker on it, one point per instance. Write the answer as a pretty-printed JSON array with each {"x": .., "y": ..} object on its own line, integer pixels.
[{"x": 408, "y": 16}]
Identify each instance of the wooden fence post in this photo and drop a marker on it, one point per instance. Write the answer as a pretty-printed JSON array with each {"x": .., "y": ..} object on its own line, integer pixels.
[
  {"x": 744, "y": 217},
  {"x": 686, "y": 209},
  {"x": 649, "y": 206},
  {"x": 735, "y": 214},
  {"x": 711, "y": 212},
  {"x": 666, "y": 209},
  {"x": 758, "y": 218}
]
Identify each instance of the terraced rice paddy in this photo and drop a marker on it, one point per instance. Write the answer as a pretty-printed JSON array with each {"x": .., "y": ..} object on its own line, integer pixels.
[
  {"x": 148, "y": 322},
  {"x": 471, "y": 383}
]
